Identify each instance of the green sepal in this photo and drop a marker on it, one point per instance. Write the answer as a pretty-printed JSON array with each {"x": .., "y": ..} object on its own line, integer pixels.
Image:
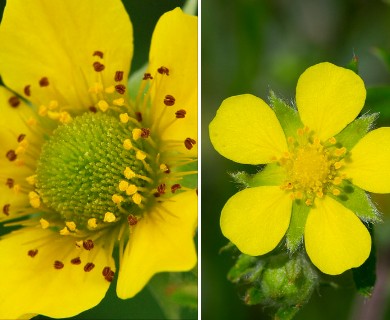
[
  {"x": 353, "y": 64},
  {"x": 286, "y": 313},
  {"x": 358, "y": 201},
  {"x": 378, "y": 99},
  {"x": 355, "y": 131},
  {"x": 270, "y": 175},
  {"x": 294, "y": 235},
  {"x": 246, "y": 269},
  {"x": 365, "y": 276},
  {"x": 288, "y": 117}
]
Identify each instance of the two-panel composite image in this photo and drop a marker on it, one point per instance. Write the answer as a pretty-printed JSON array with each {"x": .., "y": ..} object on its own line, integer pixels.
[{"x": 189, "y": 159}]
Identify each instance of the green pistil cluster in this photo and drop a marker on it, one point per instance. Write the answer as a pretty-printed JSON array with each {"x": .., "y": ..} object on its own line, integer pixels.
[{"x": 82, "y": 165}]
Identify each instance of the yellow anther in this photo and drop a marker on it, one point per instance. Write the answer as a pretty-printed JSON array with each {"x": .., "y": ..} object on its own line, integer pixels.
[
  {"x": 337, "y": 165},
  {"x": 140, "y": 155},
  {"x": 319, "y": 194},
  {"x": 137, "y": 134},
  {"x": 65, "y": 117},
  {"x": 32, "y": 179},
  {"x": 110, "y": 89},
  {"x": 35, "y": 201},
  {"x": 136, "y": 198},
  {"x": 42, "y": 111},
  {"x": 71, "y": 225},
  {"x": 53, "y": 104},
  {"x": 20, "y": 150},
  {"x": 16, "y": 188},
  {"x": 336, "y": 192},
  {"x": 109, "y": 217},
  {"x": 308, "y": 202},
  {"x": 96, "y": 88},
  {"x": 127, "y": 144},
  {"x": 317, "y": 141},
  {"x": 119, "y": 102},
  {"x": 44, "y": 223},
  {"x": 300, "y": 132},
  {"x": 123, "y": 117},
  {"x": 103, "y": 105},
  {"x": 32, "y": 122},
  {"x": 54, "y": 115},
  {"x": 92, "y": 223},
  {"x": 117, "y": 198},
  {"x": 131, "y": 189},
  {"x": 24, "y": 143},
  {"x": 298, "y": 195},
  {"x": 337, "y": 181},
  {"x": 332, "y": 140},
  {"x": 129, "y": 174},
  {"x": 79, "y": 244},
  {"x": 306, "y": 129},
  {"x": 123, "y": 185},
  {"x": 290, "y": 140},
  {"x": 64, "y": 231},
  {"x": 340, "y": 151},
  {"x": 164, "y": 167}
]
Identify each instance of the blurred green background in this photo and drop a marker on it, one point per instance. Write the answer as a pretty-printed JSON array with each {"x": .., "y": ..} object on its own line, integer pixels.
[
  {"x": 251, "y": 46},
  {"x": 144, "y": 15}
]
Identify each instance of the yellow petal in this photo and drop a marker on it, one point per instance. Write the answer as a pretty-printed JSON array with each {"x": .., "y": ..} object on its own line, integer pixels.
[
  {"x": 370, "y": 158},
  {"x": 57, "y": 40},
  {"x": 335, "y": 239},
  {"x": 33, "y": 285},
  {"x": 328, "y": 98},
  {"x": 246, "y": 130},
  {"x": 256, "y": 219},
  {"x": 174, "y": 46},
  {"x": 161, "y": 241}
]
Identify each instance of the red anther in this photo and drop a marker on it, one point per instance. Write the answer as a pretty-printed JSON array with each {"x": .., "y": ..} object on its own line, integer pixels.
[
  {"x": 156, "y": 194},
  {"x": 118, "y": 76},
  {"x": 189, "y": 143},
  {"x": 6, "y": 209},
  {"x": 10, "y": 183},
  {"x": 138, "y": 116},
  {"x": 169, "y": 100},
  {"x": 147, "y": 76},
  {"x": 98, "y": 54},
  {"x": 32, "y": 253},
  {"x": 132, "y": 220},
  {"x": 89, "y": 266},
  {"x": 75, "y": 261},
  {"x": 175, "y": 187},
  {"x": 88, "y": 244},
  {"x": 120, "y": 88},
  {"x": 161, "y": 188},
  {"x": 44, "y": 82},
  {"x": 92, "y": 109},
  {"x": 163, "y": 70},
  {"x": 108, "y": 274},
  {"x": 11, "y": 155},
  {"x": 145, "y": 133},
  {"x": 14, "y": 102},
  {"x": 21, "y": 137},
  {"x": 180, "y": 113},
  {"x": 98, "y": 66},
  {"x": 27, "y": 90},
  {"x": 58, "y": 265}
]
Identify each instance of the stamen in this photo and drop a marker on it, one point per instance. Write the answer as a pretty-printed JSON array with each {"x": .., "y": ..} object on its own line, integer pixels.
[
  {"x": 11, "y": 155},
  {"x": 145, "y": 133},
  {"x": 123, "y": 185},
  {"x": 120, "y": 102},
  {"x": 131, "y": 189},
  {"x": 161, "y": 188},
  {"x": 93, "y": 109},
  {"x": 21, "y": 137},
  {"x": 124, "y": 117},
  {"x": 132, "y": 220},
  {"x": 92, "y": 223},
  {"x": 35, "y": 201},
  {"x": 120, "y": 88},
  {"x": 138, "y": 116},
  {"x": 108, "y": 274},
  {"x": 76, "y": 261},
  {"x": 128, "y": 173},
  {"x": 109, "y": 217},
  {"x": 98, "y": 67},
  {"x": 336, "y": 192},
  {"x": 127, "y": 144},
  {"x": 137, "y": 198},
  {"x": 117, "y": 198},
  {"x": 180, "y": 114},
  {"x": 32, "y": 253},
  {"x": 164, "y": 168},
  {"x": 32, "y": 179},
  {"x": 6, "y": 209},
  {"x": 44, "y": 223},
  {"x": 71, "y": 225},
  {"x": 169, "y": 100},
  {"x": 27, "y": 90},
  {"x": 64, "y": 231},
  {"x": 118, "y": 76},
  {"x": 14, "y": 102},
  {"x": 89, "y": 266},
  {"x": 147, "y": 76},
  {"x": 189, "y": 143},
  {"x": 175, "y": 187},
  {"x": 163, "y": 70},
  {"x": 44, "y": 82},
  {"x": 103, "y": 105},
  {"x": 58, "y": 265},
  {"x": 10, "y": 183},
  {"x": 88, "y": 244}
]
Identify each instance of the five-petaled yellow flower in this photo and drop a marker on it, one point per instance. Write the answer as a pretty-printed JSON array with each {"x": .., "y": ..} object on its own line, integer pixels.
[
  {"x": 84, "y": 167},
  {"x": 317, "y": 168}
]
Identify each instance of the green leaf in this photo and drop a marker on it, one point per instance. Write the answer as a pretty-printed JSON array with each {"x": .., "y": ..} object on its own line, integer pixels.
[
  {"x": 287, "y": 116},
  {"x": 294, "y": 235},
  {"x": 365, "y": 276},
  {"x": 355, "y": 131},
  {"x": 358, "y": 201}
]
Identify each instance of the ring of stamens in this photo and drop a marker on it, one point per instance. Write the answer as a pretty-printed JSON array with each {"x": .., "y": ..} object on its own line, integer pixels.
[{"x": 312, "y": 166}]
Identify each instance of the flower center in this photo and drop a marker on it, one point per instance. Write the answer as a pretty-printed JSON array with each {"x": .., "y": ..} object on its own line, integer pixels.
[
  {"x": 312, "y": 167},
  {"x": 89, "y": 171}
]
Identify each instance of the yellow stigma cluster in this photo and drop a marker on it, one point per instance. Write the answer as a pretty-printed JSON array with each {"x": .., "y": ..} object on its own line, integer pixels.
[{"x": 312, "y": 166}]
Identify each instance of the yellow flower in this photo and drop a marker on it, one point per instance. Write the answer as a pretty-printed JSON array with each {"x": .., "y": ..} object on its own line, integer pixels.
[
  {"x": 318, "y": 164},
  {"x": 68, "y": 148}
]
